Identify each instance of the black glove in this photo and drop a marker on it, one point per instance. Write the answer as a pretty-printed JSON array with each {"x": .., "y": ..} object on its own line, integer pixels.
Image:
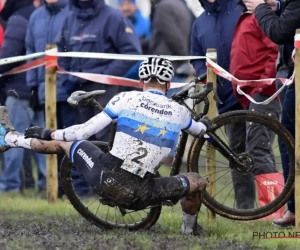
[
  {"x": 34, "y": 99},
  {"x": 39, "y": 133}
]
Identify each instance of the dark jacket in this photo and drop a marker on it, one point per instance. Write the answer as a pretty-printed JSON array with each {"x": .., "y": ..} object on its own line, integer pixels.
[
  {"x": 253, "y": 56},
  {"x": 214, "y": 28},
  {"x": 281, "y": 30},
  {"x": 171, "y": 29},
  {"x": 44, "y": 25},
  {"x": 101, "y": 29},
  {"x": 16, "y": 14}
]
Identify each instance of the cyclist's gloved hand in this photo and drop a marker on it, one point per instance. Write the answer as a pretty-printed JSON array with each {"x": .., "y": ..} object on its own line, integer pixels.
[{"x": 39, "y": 133}]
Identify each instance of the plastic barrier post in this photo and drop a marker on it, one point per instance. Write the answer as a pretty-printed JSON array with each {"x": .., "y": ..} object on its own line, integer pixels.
[
  {"x": 51, "y": 123},
  {"x": 210, "y": 151},
  {"x": 297, "y": 136}
]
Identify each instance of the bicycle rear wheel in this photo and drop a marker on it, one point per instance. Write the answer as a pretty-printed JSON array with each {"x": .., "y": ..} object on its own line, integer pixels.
[
  {"x": 100, "y": 214},
  {"x": 217, "y": 203}
]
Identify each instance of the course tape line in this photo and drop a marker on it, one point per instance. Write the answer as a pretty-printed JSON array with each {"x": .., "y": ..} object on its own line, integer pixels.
[
  {"x": 297, "y": 41},
  {"x": 50, "y": 60}
]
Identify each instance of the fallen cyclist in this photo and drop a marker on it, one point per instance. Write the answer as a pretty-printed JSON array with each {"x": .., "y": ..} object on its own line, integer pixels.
[{"x": 125, "y": 176}]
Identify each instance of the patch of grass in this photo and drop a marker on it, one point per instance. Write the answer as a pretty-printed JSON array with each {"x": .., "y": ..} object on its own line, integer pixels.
[{"x": 31, "y": 223}]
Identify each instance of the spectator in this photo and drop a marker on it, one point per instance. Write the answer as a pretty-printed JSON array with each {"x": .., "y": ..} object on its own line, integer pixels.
[
  {"x": 43, "y": 28},
  {"x": 253, "y": 56},
  {"x": 280, "y": 28},
  {"x": 171, "y": 31},
  {"x": 93, "y": 26},
  {"x": 140, "y": 23},
  {"x": 214, "y": 28},
  {"x": 27, "y": 174},
  {"x": 16, "y": 15}
]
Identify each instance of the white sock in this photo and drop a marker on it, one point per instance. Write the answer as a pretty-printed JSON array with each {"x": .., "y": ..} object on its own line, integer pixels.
[
  {"x": 188, "y": 222},
  {"x": 17, "y": 140}
]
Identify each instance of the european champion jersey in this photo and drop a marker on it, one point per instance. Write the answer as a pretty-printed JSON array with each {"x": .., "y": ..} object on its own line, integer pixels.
[{"x": 148, "y": 126}]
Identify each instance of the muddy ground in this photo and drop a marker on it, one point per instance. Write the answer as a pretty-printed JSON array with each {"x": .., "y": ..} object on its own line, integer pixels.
[{"x": 29, "y": 231}]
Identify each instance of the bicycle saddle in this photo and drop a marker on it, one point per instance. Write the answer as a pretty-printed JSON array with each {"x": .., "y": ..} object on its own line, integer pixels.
[{"x": 81, "y": 97}]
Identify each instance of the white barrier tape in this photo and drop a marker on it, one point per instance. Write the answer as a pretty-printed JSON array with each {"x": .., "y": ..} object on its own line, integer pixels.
[
  {"x": 49, "y": 51},
  {"x": 211, "y": 55},
  {"x": 271, "y": 98},
  {"x": 118, "y": 56},
  {"x": 223, "y": 73},
  {"x": 15, "y": 59},
  {"x": 113, "y": 80},
  {"x": 297, "y": 41}
]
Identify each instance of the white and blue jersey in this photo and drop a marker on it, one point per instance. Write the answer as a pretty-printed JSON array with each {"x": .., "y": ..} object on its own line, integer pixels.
[{"x": 148, "y": 127}]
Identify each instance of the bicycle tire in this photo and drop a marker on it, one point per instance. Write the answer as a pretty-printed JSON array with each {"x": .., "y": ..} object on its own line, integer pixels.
[
  {"x": 66, "y": 170},
  {"x": 280, "y": 200}
]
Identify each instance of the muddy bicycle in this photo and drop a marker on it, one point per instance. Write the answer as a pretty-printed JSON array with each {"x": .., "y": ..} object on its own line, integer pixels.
[{"x": 95, "y": 210}]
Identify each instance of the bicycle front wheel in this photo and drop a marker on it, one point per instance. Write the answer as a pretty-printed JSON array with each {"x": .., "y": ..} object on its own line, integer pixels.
[
  {"x": 223, "y": 201},
  {"x": 98, "y": 212}
]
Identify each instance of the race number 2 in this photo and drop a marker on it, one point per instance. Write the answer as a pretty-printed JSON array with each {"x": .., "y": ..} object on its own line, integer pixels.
[{"x": 142, "y": 154}]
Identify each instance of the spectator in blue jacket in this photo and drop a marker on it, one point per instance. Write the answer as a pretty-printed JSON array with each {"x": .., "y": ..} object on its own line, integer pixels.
[
  {"x": 16, "y": 15},
  {"x": 43, "y": 28},
  {"x": 214, "y": 28},
  {"x": 141, "y": 24},
  {"x": 93, "y": 26},
  {"x": 142, "y": 29}
]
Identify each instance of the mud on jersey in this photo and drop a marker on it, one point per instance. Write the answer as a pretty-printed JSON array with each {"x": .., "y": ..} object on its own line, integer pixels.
[{"x": 148, "y": 127}]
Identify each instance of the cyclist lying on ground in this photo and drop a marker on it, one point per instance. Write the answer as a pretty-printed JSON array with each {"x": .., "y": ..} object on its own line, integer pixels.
[{"x": 148, "y": 126}]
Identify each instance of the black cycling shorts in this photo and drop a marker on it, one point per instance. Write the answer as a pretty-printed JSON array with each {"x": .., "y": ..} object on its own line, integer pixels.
[{"x": 119, "y": 187}]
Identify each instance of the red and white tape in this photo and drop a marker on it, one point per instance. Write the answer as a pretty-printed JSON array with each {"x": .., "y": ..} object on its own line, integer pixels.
[
  {"x": 297, "y": 41},
  {"x": 253, "y": 83},
  {"x": 49, "y": 58}
]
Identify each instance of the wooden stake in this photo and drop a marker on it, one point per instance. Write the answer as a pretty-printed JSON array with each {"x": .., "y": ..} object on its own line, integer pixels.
[
  {"x": 210, "y": 150},
  {"x": 51, "y": 123}
]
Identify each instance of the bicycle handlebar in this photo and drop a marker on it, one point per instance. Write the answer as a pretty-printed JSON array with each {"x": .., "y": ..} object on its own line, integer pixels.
[{"x": 189, "y": 90}]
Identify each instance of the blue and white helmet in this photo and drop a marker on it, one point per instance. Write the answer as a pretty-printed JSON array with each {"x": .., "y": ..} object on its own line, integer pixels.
[{"x": 156, "y": 67}]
